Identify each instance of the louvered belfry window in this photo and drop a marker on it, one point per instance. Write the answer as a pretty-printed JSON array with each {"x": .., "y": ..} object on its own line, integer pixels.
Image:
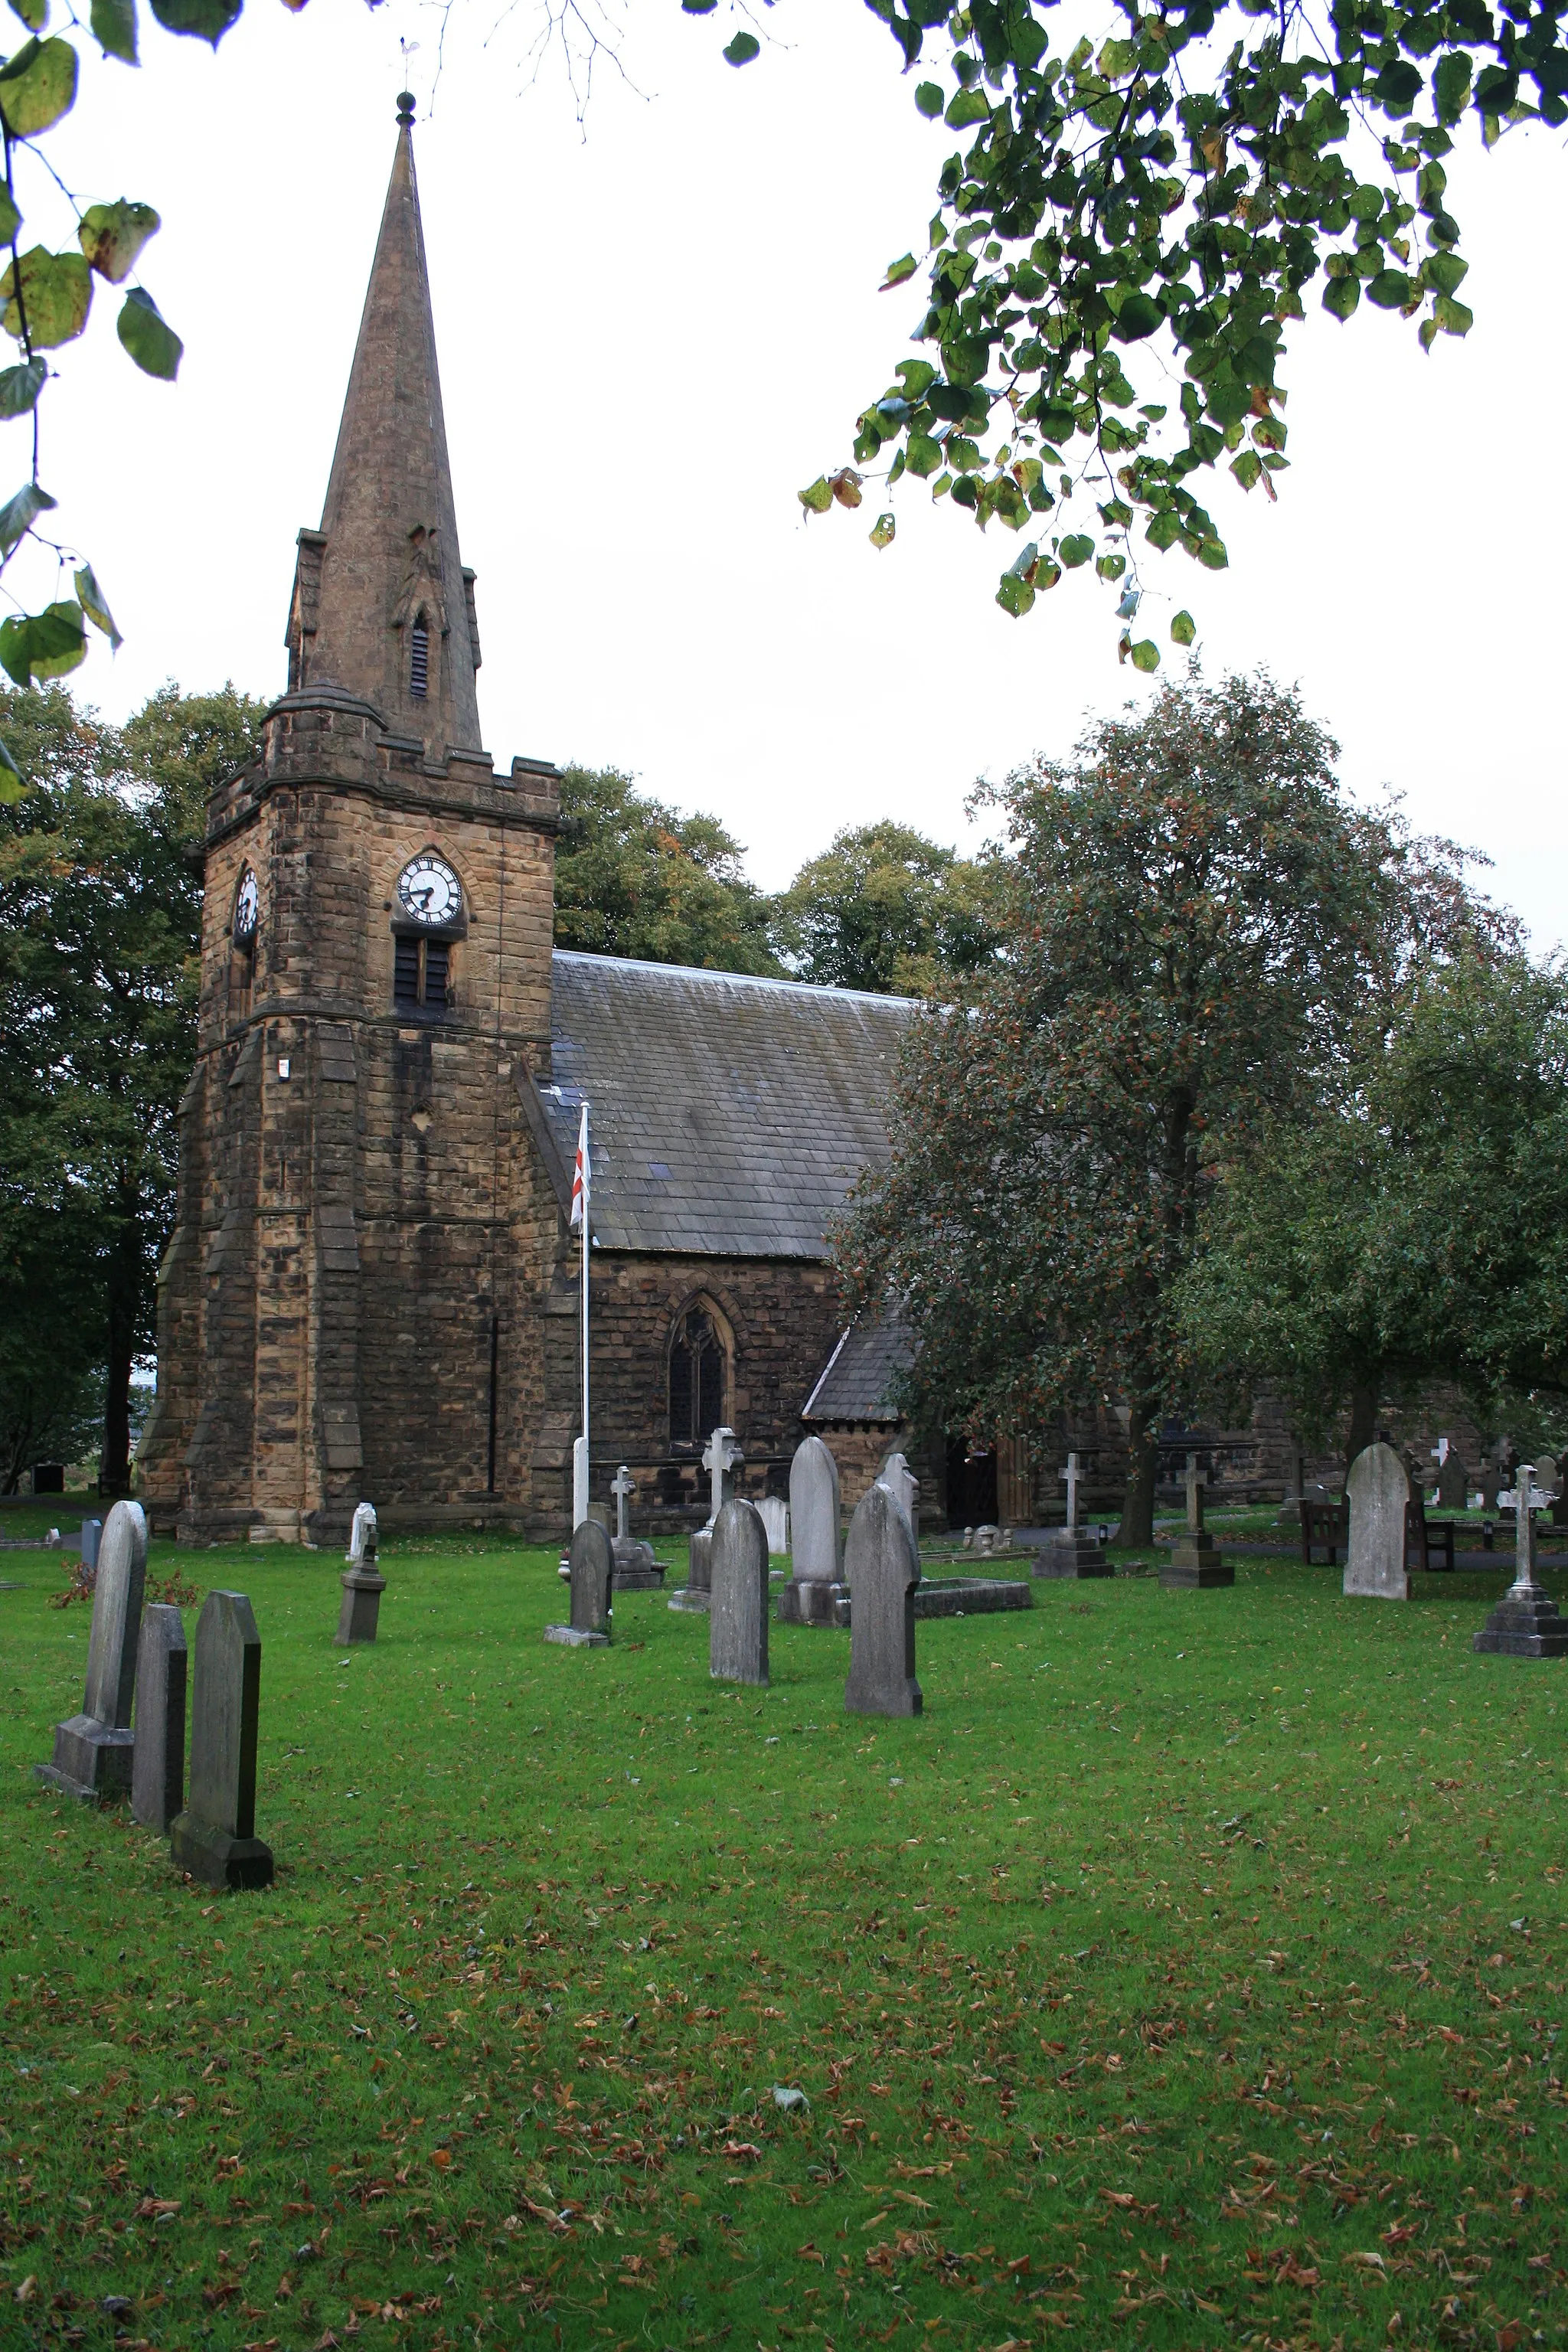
[
  {"x": 420, "y": 972},
  {"x": 696, "y": 1380},
  {"x": 419, "y": 660}
]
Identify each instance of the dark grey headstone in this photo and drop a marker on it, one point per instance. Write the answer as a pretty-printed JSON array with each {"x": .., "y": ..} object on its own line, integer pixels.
[
  {"x": 738, "y": 1628},
  {"x": 158, "y": 1774},
  {"x": 591, "y": 1567},
  {"x": 1071, "y": 1552},
  {"x": 1453, "y": 1483},
  {"x": 94, "y": 1749},
  {"x": 1377, "y": 1491},
  {"x": 214, "y": 1838},
  {"x": 696, "y": 1592},
  {"x": 882, "y": 1564}
]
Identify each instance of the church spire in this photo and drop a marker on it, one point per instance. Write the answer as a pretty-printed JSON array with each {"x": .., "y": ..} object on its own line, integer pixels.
[{"x": 382, "y": 604}]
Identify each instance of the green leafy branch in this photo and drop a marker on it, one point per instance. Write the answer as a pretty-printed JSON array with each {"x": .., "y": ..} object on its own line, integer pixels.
[{"x": 1144, "y": 191}]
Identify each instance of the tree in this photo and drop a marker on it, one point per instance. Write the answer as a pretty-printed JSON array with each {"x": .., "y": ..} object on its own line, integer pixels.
[
  {"x": 100, "y": 931},
  {"x": 884, "y": 909},
  {"x": 1192, "y": 917},
  {"x": 635, "y": 878},
  {"x": 1176, "y": 193},
  {"x": 1414, "y": 1227}
]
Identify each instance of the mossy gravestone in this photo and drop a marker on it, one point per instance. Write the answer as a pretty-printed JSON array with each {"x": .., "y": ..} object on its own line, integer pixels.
[
  {"x": 882, "y": 1565},
  {"x": 214, "y": 1838},
  {"x": 93, "y": 1752},
  {"x": 738, "y": 1628}
]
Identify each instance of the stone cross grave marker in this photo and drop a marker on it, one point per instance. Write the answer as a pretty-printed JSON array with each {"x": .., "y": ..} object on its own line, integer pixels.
[
  {"x": 815, "y": 1538},
  {"x": 1526, "y": 1622},
  {"x": 214, "y": 1838},
  {"x": 883, "y": 1565},
  {"x": 1071, "y": 1476},
  {"x": 1452, "y": 1481},
  {"x": 622, "y": 1486},
  {"x": 362, "y": 1581},
  {"x": 158, "y": 1772},
  {"x": 1071, "y": 1551},
  {"x": 721, "y": 1458},
  {"x": 1377, "y": 1491},
  {"x": 738, "y": 1628},
  {"x": 94, "y": 1749},
  {"x": 1193, "y": 1563},
  {"x": 593, "y": 1567}
]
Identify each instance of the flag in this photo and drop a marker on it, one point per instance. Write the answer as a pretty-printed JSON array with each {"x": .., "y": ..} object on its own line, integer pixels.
[{"x": 582, "y": 1174}]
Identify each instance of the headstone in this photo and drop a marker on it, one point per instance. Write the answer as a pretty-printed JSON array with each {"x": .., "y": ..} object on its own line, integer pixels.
[
  {"x": 1526, "y": 1622},
  {"x": 1193, "y": 1563},
  {"x": 904, "y": 1487},
  {"x": 1452, "y": 1483},
  {"x": 1377, "y": 1491},
  {"x": 773, "y": 1512},
  {"x": 1072, "y": 1551},
  {"x": 92, "y": 1537},
  {"x": 362, "y": 1581},
  {"x": 592, "y": 1566},
  {"x": 94, "y": 1749},
  {"x": 1487, "y": 1482},
  {"x": 1548, "y": 1476},
  {"x": 882, "y": 1563},
  {"x": 815, "y": 1539},
  {"x": 158, "y": 1772},
  {"x": 214, "y": 1838},
  {"x": 696, "y": 1594},
  {"x": 721, "y": 1458},
  {"x": 637, "y": 1569},
  {"x": 738, "y": 1630}
]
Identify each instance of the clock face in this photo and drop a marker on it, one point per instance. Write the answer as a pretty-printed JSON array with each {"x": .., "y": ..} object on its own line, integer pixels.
[
  {"x": 429, "y": 891},
  {"x": 247, "y": 900}
]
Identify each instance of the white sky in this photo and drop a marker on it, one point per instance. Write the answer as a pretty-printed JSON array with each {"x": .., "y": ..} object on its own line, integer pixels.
[{"x": 650, "y": 339}]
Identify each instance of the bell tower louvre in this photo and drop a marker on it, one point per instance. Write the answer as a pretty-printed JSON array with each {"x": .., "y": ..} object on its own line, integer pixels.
[{"x": 347, "y": 1307}]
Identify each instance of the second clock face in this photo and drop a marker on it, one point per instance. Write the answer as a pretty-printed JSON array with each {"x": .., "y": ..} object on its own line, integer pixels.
[
  {"x": 429, "y": 891},
  {"x": 247, "y": 899}
]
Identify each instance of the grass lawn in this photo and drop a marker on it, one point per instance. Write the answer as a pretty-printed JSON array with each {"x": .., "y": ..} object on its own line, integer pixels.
[{"x": 1190, "y": 1974}]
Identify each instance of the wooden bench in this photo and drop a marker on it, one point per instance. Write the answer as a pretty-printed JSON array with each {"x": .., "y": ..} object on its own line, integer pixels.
[
  {"x": 1324, "y": 1530},
  {"x": 1423, "y": 1536}
]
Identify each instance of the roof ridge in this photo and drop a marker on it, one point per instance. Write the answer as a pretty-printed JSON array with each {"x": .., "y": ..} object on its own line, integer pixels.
[{"x": 741, "y": 978}]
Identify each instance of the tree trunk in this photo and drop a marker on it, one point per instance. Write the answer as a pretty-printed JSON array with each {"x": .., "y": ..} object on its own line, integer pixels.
[
  {"x": 1363, "y": 1422},
  {"x": 1138, "y": 1503},
  {"x": 123, "y": 1305}
]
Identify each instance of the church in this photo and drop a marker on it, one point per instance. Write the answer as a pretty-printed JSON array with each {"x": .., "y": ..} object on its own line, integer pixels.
[{"x": 372, "y": 1286}]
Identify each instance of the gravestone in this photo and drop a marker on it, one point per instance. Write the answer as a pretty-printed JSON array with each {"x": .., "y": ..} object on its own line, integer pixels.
[
  {"x": 722, "y": 1458},
  {"x": 636, "y": 1570},
  {"x": 94, "y": 1749},
  {"x": 1071, "y": 1551},
  {"x": 775, "y": 1514},
  {"x": 1526, "y": 1622},
  {"x": 1193, "y": 1563},
  {"x": 738, "y": 1628},
  {"x": 815, "y": 1538},
  {"x": 1377, "y": 1490},
  {"x": 158, "y": 1772},
  {"x": 593, "y": 1567},
  {"x": 904, "y": 1487},
  {"x": 882, "y": 1564},
  {"x": 1452, "y": 1483},
  {"x": 92, "y": 1537},
  {"x": 214, "y": 1838},
  {"x": 1488, "y": 1481},
  {"x": 362, "y": 1581}
]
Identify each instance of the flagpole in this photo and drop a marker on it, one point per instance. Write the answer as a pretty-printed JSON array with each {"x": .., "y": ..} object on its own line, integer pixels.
[{"x": 582, "y": 1190}]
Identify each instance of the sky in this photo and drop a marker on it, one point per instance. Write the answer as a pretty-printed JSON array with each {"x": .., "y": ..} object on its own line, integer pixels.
[{"x": 657, "y": 325}]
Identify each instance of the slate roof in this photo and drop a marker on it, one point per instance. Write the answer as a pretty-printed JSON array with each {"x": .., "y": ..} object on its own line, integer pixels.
[
  {"x": 858, "y": 1381},
  {"x": 728, "y": 1115}
]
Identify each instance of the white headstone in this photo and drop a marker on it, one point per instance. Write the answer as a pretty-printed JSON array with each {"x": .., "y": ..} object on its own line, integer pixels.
[
  {"x": 362, "y": 1535},
  {"x": 721, "y": 1458},
  {"x": 579, "y": 1481},
  {"x": 622, "y": 1486},
  {"x": 1072, "y": 1475},
  {"x": 903, "y": 1486},
  {"x": 773, "y": 1512},
  {"x": 816, "y": 1541},
  {"x": 1377, "y": 1489}
]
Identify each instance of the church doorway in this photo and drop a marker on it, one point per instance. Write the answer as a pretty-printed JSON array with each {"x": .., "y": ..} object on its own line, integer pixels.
[{"x": 971, "y": 1485}]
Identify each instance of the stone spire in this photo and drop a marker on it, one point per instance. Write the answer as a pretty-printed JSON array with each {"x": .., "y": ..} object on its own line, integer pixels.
[{"x": 382, "y": 604}]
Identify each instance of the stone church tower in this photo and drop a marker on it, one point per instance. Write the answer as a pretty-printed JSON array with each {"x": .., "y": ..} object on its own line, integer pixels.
[{"x": 347, "y": 1305}]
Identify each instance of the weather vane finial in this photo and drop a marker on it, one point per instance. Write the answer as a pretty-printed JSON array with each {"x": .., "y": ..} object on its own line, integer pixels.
[{"x": 406, "y": 97}]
